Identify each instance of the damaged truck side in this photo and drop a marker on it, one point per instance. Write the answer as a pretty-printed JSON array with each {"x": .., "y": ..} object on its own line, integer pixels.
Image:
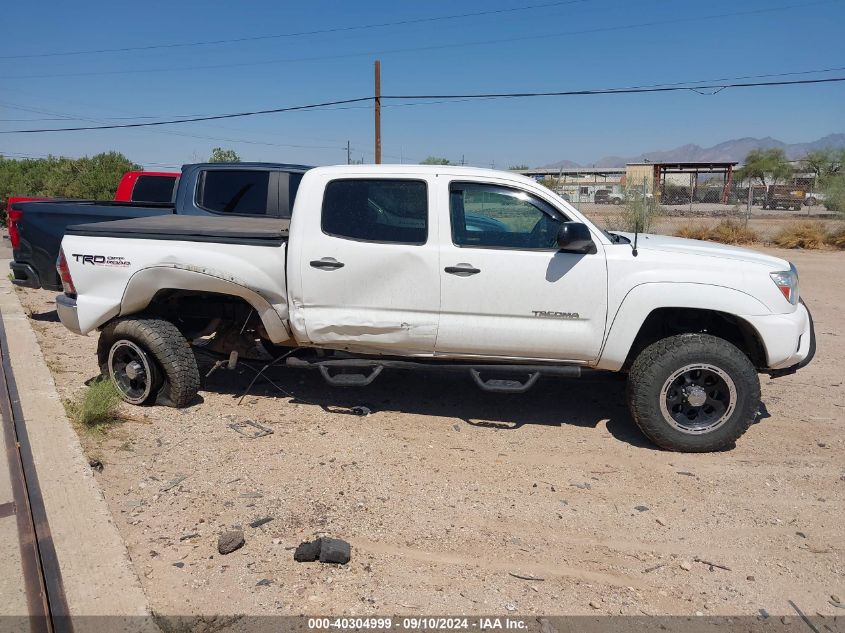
[{"x": 445, "y": 268}]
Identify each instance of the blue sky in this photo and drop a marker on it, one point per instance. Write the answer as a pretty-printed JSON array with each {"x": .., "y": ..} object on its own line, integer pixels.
[{"x": 583, "y": 44}]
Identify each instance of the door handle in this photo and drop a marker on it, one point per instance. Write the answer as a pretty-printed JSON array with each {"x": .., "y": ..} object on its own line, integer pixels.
[
  {"x": 462, "y": 270},
  {"x": 327, "y": 263}
]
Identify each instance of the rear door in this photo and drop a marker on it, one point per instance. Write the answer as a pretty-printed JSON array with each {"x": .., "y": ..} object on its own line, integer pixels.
[
  {"x": 368, "y": 266},
  {"x": 506, "y": 289}
]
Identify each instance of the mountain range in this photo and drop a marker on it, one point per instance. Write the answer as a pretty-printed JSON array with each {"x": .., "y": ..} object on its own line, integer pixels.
[{"x": 735, "y": 149}]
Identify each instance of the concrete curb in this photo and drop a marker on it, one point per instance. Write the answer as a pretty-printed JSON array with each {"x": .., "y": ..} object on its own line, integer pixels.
[{"x": 98, "y": 576}]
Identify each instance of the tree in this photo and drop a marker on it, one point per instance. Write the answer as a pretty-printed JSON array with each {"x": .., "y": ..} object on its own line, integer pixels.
[
  {"x": 825, "y": 162},
  {"x": 94, "y": 177},
  {"x": 518, "y": 167},
  {"x": 220, "y": 155},
  {"x": 435, "y": 160},
  {"x": 767, "y": 166}
]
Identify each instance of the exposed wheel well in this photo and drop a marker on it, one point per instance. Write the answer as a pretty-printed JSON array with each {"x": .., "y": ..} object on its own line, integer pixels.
[
  {"x": 194, "y": 311},
  {"x": 665, "y": 322}
]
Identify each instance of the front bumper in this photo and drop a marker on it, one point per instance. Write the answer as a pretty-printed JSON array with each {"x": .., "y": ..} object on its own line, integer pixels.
[
  {"x": 24, "y": 275},
  {"x": 789, "y": 340},
  {"x": 68, "y": 315}
]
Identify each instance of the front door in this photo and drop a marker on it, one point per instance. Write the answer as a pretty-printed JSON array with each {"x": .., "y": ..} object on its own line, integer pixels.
[
  {"x": 506, "y": 289},
  {"x": 369, "y": 272}
]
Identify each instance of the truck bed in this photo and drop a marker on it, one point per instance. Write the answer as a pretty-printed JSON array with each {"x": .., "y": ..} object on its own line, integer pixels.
[
  {"x": 43, "y": 224},
  {"x": 222, "y": 230}
]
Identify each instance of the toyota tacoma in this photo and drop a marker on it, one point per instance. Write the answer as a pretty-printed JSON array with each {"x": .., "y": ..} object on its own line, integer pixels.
[{"x": 441, "y": 268}]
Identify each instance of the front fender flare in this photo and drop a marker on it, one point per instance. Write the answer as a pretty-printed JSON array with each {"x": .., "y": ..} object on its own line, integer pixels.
[{"x": 644, "y": 298}]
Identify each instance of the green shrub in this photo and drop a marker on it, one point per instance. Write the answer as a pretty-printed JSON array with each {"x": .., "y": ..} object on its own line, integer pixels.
[{"x": 97, "y": 407}]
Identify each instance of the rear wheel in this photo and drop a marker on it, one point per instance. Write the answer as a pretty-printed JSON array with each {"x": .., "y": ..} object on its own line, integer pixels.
[
  {"x": 693, "y": 393},
  {"x": 149, "y": 361},
  {"x": 810, "y": 202}
]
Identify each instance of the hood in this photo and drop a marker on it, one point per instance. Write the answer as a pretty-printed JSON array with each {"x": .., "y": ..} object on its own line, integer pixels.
[{"x": 650, "y": 242}]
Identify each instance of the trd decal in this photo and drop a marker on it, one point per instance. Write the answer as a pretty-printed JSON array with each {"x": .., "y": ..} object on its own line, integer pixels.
[{"x": 101, "y": 260}]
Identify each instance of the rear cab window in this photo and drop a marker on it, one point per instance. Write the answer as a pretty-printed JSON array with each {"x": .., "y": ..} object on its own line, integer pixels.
[
  {"x": 239, "y": 192},
  {"x": 154, "y": 189},
  {"x": 391, "y": 211}
]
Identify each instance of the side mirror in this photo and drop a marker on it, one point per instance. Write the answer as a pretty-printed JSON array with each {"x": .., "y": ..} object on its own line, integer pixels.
[{"x": 575, "y": 237}]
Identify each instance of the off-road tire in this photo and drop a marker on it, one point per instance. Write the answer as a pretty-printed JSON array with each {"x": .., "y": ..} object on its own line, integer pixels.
[
  {"x": 656, "y": 363},
  {"x": 168, "y": 348}
]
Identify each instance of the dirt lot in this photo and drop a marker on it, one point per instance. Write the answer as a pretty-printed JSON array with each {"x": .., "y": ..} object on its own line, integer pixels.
[
  {"x": 447, "y": 493},
  {"x": 765, "y": 223}
]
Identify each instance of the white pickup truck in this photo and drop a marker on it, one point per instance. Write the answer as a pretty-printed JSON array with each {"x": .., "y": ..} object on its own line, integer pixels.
[{"x": 445, "y": 268}]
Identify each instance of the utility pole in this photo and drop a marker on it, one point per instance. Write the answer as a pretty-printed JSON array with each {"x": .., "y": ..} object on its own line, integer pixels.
[
  {"x": 463, "y": 162},
  {"x": 348, "y": 154},
  {"x": 378, "y": 110}
]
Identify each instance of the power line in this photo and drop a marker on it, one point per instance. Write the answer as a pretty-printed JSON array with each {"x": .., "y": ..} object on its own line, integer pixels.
[
  {"x": 341, "y": 29},
  {"x": 67, "y": 117},
  {"x": 446, "y": 97},
  {"x": 590, "y": 31},
  {"x": 60, "y": 116},
  {"x": 214, "y": 117},
  {"x": 618, "y": 91}
]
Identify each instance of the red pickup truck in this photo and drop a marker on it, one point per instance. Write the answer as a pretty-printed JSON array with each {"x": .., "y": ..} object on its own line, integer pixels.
[
  {"x": 134, "y": 186},
  {"x": 147, "y": 186}
]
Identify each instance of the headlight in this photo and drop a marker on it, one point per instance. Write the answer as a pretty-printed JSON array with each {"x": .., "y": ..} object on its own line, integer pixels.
[{"x": 787, "y": 283}]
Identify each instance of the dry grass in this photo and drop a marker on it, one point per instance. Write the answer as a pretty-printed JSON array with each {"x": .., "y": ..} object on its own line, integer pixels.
[
  {"x": 726, "y": 232},
  {"x": 837, "y": 238},
  {"x": 694, "y": 232},
  {"x": 808, "y": 235}
]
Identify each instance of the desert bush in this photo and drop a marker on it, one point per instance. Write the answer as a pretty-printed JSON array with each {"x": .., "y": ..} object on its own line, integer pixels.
[
  {"x": 694, "y": 232},
  {"x": 97, "y": 406},
  {"x": 808, "y": 234},
  {"x": 636, "y": 215},
  {"x": 726, "y": 232},
  {"x": 837, "y": 238},
  {"x": 732, "y": 232}
]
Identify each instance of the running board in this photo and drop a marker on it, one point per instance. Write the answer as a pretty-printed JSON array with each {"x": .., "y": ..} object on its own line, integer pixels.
[
  {"x": 350, "y": 379},
  {"x": 504, "y": 385},
  {"x": 339, "y": 372}
]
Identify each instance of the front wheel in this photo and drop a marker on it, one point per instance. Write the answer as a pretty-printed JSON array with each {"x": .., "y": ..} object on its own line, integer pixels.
[
  {"x": 693, "y": 393},
  {"x": 149, "y": 361}
]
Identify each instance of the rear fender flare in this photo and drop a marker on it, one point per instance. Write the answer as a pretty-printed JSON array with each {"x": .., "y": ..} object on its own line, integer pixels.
[{"x": 146, "y": 283}]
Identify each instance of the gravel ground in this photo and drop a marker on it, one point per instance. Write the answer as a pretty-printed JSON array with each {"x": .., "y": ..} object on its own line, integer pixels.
[{"x": 448, "y": 494}]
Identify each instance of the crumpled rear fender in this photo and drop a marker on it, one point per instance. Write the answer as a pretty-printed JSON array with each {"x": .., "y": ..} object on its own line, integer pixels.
[{"x": 146, "y": 283}]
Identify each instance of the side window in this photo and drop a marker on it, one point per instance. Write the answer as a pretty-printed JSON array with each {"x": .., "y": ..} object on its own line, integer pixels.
[
  {"x": 239, "y": 191},
  {"x": 498, "y": 217},
  {"x": 393, "y": 211},
  {"x": 153, "y": 189}
]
